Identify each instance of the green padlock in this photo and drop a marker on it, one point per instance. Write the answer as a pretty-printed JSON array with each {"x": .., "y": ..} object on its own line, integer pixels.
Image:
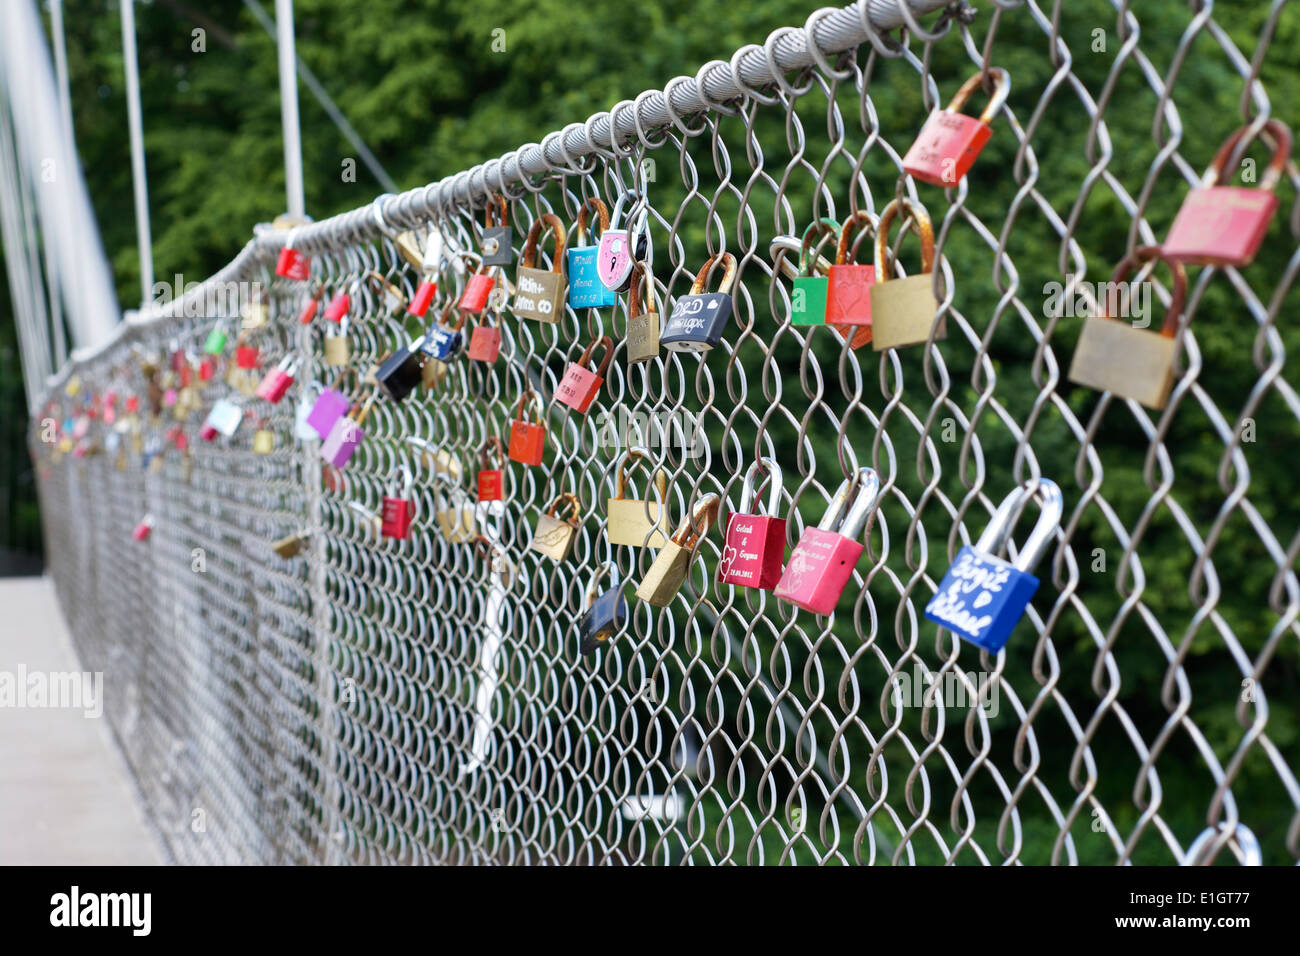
[
  {"x": 215, "y": 343},
  {"x": 808, "y": 299}
]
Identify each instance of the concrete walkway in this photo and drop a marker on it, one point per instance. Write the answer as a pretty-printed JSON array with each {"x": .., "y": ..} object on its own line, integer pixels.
[{"x": 65, "y": 792}]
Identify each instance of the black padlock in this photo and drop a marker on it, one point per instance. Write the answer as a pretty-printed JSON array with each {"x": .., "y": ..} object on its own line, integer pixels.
[
  {"x": 400, "y": 373},
  {"x": 498, "y": 234},
  {"x": 699, "y": 317},
  {"x": 606, "y": 612}
]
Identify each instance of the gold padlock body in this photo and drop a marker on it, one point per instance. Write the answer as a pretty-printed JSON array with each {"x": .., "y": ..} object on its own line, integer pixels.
[
  {"x": 434, "y": 373},
  {"x": 246, "y": 383},
  {"x": 1113, "y": 356},
  {"x": 643, "y": 337},
  {"x": 263, "y": 441},
  {"x": 337, "y": 350},
  {"x": 553, "y": 537},
  {"x": 539, "y": 294},
  {"x": 255, "y": 315},
  {"x": 408, "y": 247},
  {"x": 665, "y": 577},
  {"x": 629, "y": 524},
  {"x": 289, "y": 546},
  {"x": 457, "y": 523},
  {"x": 902, "y": 312}
]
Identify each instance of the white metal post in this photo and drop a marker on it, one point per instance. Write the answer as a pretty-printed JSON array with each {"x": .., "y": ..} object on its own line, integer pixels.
[
  {"x": 144, "y": 238},
  {"x": 294, "y": 203}
]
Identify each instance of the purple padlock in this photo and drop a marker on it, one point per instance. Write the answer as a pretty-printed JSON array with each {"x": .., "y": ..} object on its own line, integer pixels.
[
  {"x": 328, "y": 409},
  {"x": 346, "y": 435}
]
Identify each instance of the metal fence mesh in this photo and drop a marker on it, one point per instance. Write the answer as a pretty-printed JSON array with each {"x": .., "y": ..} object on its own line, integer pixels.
[{"x": 376, "y": 701}]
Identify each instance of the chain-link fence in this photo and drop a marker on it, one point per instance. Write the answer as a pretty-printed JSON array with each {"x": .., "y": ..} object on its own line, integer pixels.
[{"x": 425, "y": 700}]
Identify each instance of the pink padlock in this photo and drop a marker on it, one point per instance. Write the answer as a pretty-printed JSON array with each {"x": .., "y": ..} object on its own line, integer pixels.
[
  {"x": 293, "y": 264},
  {"x": 143, "y": 529},
  {"x": 346, "y": 435},
  {"x": 950, "y": 141},
  {"x": 754, "y": 545},
  {"x": 276, "y": 381},
  {"x": 338, "y": 307},
  {"x": 823, "y": 560},
  {"x": 580, "y": 384}
]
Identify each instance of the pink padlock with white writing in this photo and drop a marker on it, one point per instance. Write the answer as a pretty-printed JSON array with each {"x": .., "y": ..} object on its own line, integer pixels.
[
  {"x": 754, "y": 545},
  {"x": 293, "y": 264},
  {"x": 276, "y": 381},
  {"x": 580, "y": 384},
  {"x": 142, "y": 531},
  {"x": 823, "y": 561},
  {"x": 346, "y": 436}
]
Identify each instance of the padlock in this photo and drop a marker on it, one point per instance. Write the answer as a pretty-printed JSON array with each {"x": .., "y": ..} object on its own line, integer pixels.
[
  {"x": 950, "y": 141},
  {"x": 423, "y": 298},
  {"x": 491, "y": 477},
  {"x": 822, "y": 563},
  {"x": 339, "y": 306},
  {"x": 903, "y": 310},
  {"x": 983, "y": 596},
  {"x": 633, "y": 522},
  {"x": 554, "y": 536},
  {"x": 74, "y": 386},
  {"x": 401, "y": 373},
  {"x": 498, "y": 235},
  {"x": 312, "y": 305},
  {"x": 1114, "y": 356},
  {"x": 255, "y": 312},
  {"x": 1220, "y": 225},
  {"x": 144, "y": 528},
  {"x": 585, "y": 289},
  {"x": 848, "y": 287},
  {"x": 673, "y": 562},
  {"x": 642, "y": 327},
  {"x": 478, "y": 289},
  {"x": 337, "y": 348},
  {"x": 753, "y": 546},
  {"x": 276, "y": 381},
  {"x": 698, "y": 318},
  {"x": 331, "y": 405},
  {"x": 443, "y": 464},
  {"x": 391, "y": 299},
  {"x": 454, "y": 513},
  {"x": 347, "y": 434},
  {"x": 207, "y": 370},
  {"x": 620, "y": 248},
  {"x": 527, "y": 439},
  {"x": 810, "y": 291},
  {"x": 399, "y": 508},
  {"x": 580, "y": 385},
  {"x": 215, "y": 343},
  {"x": 224, "y": 417},
  {"x": 539, "y": 293},
  {"x": 263, "y": 438},
  {"x": 433, "y": 373},
  {"x": 292, "y": 264},
  {"x": 606, "y": 612},
  {"x": 291, "y": 545},
  {"x": 408, "y": 246},
  {"x": 485, "y": 340},
  {"x": 246, "y": 356},
  {"x": 443, "y": 340}
]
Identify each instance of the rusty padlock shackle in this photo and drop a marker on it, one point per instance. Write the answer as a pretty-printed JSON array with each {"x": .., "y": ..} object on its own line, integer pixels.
[
  {"x": 537, "y": 401},
  {"x": 408, "y": 483},
  {"x": 749, "y": 489},
  {"x": 565, "y": 498},
  {"x": 494, "y": 553},
  {"x": 460, "y": 320},
  {"x": 863, "y": 220},
  {"x": 1002, "y": 87},
  {"x": 365, "y": 406},
  {"x": 604, "y": 342},
  {"x": 550, "y": 221},
  {"x": 492, "y": 446},
  {"x": 602, "y": 212},
  {"x": 1277, "y": 166},
  {"x": 497, "y": 212},
  {"x": 848, "y": 511},
  {"x": 924, "y": 228},
  {"x": 639, "y": 271},
  {"x": 593, "y": 584},
  {"x": 1000, "y": 526},
  {"x": 633, "y": 454},
  {"x": 696, "y": 525},
  {"x": 728, "y": 277},
  {"x": 1144, "y": 255}
]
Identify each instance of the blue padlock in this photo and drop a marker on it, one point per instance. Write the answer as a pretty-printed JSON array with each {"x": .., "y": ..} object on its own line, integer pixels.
[
  {"x": 606, "y": 611},
  {"x": 443, "y": 340},
  {"x": 586, "y": 291},
  {"x": 983, "y": 597}
]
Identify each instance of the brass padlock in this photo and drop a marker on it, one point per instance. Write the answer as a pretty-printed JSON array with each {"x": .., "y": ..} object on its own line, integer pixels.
[
  {"x": 255, "y": 313},
  {"x": 635, "y": 522},
  {"x": 665, "y": 577},
  {"x": 454, "y": 513},
  {"x": 903, "y": 310},
  {"x": 642, "y": 327},
  {"x": 1113, "y": 356},
  {"x": 338, "y": 351},
  {"x": 263, "y": 438},
  {"x": 408, "y": 247},
  {"x": 434, "y": 373},
  {"x": 441, "y": 462},
  {"x": 554, "y": 536}
]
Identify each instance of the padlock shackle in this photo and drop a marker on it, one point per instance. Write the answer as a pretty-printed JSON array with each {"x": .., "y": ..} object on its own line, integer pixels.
[
  {"x": 827, "y": 228},
  {"x": 859, "y": 220},
  {"x": 639, "y": 271},
  {"x": 1144, "y": 254},
  {"x": 492, "y": 446},
  {"x": 1214, "y": 175},
  {"x": 336, "y": 385},
  {"x": 849, "y": 510},
  {"x": 998, "y": 532},
  {"x": 561, "y": 500},
  {"x": 1002, "y": 87},
  {"x": 924, "y": 228},
  {"x": 633, "y": 454},
  {"x": 604, "y": 342},
  {"x": 408, "y": 481},
  {"x": 748, "y": 490},
  {"x": 497, "y": 212},
  {"x": 365, "y": 407},
  {"x": 728, "y": 277},
  {"x": 602, "y": 213},
  {"x": 379, "y": 285},
  {"x": 780, "y": 245},
  {"x": 616, "y": 216},
  {"x": 552, "y": 222},
  {"x": 541, "y": 409},
  {"x": 696, "y": 525},
  {"x": 593, "y": 585},
  {"x": 460, "y": 321}
]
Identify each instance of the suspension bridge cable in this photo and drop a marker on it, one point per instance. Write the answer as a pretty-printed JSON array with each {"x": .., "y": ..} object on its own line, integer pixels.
[
  {"x": 294, "y": 203},
  {"x": 139, "y": 180}
]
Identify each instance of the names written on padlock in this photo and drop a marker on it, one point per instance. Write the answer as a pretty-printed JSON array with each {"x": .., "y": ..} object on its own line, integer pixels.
[
  {"x": 529, "y": 296},
  {"x": 976, "y": 580}
]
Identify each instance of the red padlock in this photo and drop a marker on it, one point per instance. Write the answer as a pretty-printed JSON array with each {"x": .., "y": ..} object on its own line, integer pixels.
[
  {"x": 246, "y": 356},
  {"x": 186, "y": 373},
  {"x": 313, "y": 305},
  {"x": 477, "y": 291},
  {"x": 293, "y": 264},
  {"x": 1221, "y": 225},
  {"x": 484, "y": 342},
  {"x": 848, "y": 290},
  {"x": 423, "y": 298},
  {"x": 580, "y": 384},
  {"x": 207, "y": 369},
  {"x": 399, "y": 509},
  {"x": 950, "y": 141},
  {"x": 276, "y": 381},
  {"x": 143, "y": 529},
  {"x": 207, "y": 432},
  {"x": 527, "y": 439},
  {"x": 754, "y": 545},
  {"x": 133, "y": 404},
  {"x": 181, "y": 440},
  {"x": 491, "y": 479},
  {"x": 338, "y": 307}
]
